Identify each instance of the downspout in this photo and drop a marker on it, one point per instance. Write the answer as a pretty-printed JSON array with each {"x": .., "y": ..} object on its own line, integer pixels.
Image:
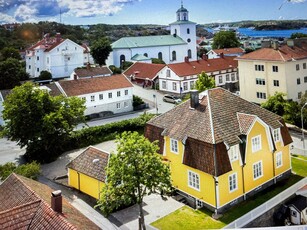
[
  {"x": 216, "y": 183},
  {"x": 78, "y": 181},
  {"x": 243, "y": 181}
]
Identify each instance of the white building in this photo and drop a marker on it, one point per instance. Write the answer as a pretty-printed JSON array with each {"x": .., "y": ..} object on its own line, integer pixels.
[
  {"x": 228, "y": 52},
  {"x": 274, "y": 69},
  {"x": 90, "y": 72},
  {"x": 173, "y": 48},
  {"x": 180, "y": 77},
  {"x": 56, "y": 55}
]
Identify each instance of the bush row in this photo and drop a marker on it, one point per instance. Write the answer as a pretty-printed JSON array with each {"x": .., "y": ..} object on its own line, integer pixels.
[{"x": 94, "y": 135}]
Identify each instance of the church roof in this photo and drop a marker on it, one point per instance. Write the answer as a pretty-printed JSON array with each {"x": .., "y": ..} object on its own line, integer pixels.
[
  {"x": 180, "y": 22},
  {"x": 147, "y": 41},
  {"x": 182, "y": 9},
  {"x": 140, "y": 57}
]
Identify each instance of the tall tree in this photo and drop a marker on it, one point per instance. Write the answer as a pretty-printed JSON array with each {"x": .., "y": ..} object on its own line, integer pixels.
[
  {"x": 204, "y": 82},
  {"x": 134, "y": 171},
  {"x": 100, "y": 50},
  {"x": 40, "y": 122},
  {"x": 225, "y": 39},
  {"x": 10, "y": 52},
  {"x": 45, "y": 75},
  {"x": 12, "y": 73}
]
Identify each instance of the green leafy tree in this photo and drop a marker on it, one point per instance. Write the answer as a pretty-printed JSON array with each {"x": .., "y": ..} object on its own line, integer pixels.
[
  {"x": 9, "y": 52},
  {"x": 276, "y": 103},
  {"x": 100, "y": 50},
  {"x": 157, "y": 61},
  {"x": 204, "y": 82},
  {"x": 30, "y": 170},
  {"x": 45, "y": 75},
  {"x": 225, "y": 39},
  {"x": 134, "y": 171},
  {"x": 12, "y": 73},
  {"x": 40, "y": 122}
]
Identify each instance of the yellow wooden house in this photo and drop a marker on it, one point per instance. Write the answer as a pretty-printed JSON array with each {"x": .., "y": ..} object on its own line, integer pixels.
[
  {"x": 87, "y": 171},
  {"x": 221, "y": 148}
]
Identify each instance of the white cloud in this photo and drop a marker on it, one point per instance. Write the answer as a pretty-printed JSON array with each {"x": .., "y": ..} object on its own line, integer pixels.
[
  {"x": 297, "y": 1},
  {"x": 24, "y": 13},
  {"x": 4, "y": 18}
]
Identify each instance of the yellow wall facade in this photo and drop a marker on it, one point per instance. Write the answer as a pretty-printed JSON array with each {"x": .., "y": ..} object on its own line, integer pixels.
[
  {"x": 84, "y": 183},
  {"x": 206, "y": 192}
]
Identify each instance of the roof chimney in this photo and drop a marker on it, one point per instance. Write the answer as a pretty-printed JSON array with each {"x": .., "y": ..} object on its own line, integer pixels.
[
  {"x": 75, "y": 77},
  {"x": 58, "y": 37},
  {"x": 56, "y": 201},
  {"x": 275, "y": 45},
  {"x": 88, "y": 66},
  {"x": 186, "y": 59},
  {"x": 290, "y": 42},
  {"x": 194, "y": 101},
  {"x": 205, "y": 57},
  {"x": 222, "y": 55}
]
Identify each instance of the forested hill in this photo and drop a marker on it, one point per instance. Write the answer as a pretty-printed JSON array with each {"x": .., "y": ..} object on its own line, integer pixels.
[{"x": 265, "y": 25}]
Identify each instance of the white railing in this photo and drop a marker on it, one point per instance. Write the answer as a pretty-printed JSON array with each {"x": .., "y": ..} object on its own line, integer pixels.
[{"x": 252, "y": 215}]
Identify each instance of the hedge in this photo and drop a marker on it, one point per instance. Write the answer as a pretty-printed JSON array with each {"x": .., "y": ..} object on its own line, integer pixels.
[{"x": 94, "y": 135}]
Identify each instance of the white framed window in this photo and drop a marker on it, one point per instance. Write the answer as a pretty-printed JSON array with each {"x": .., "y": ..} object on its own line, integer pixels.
[
  {"x": 220, "y": 79},
  {"x": 193, "y": 180},
  {"x": 185, "y": 86},
  {"x": 233, "y": 184},
  {"x": 278, "y": 159},
  {"x": 233, "y": 77},
  {"x": 174, "y": 86},
  {"x": 29, "y": 66},
  {"x": 256, "y": 143},
  {"x": 227, "y": 78},
  {"x": 261, "y": 95},
  {"x": 234, "y": 153},
  {"x": 125, "y": 104},
  {"x": 118, "y": 105},
  {"x": 92, "y": 98},
  {"x": 100, "y": 96},
  {"x": 275, "y": 68},
  {"x": 260, "y": 81},
  {"x": 126, "y": 92},
  {"x": 257, "y": 170},
  {"x": 174, "y": 146},
  {"x": 191, "y": 84},
  {"x": 110, "y": 95},
  {"x": 83, "y": 98},
  {"x": 118, "y": 93},
  {"x": 276, "y": 135},
  {"x": 168, "y": 73},
  {"x": 163, "y": 84}
]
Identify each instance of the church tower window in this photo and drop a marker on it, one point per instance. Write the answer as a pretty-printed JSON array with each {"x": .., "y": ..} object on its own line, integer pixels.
[
  {"x": 160, "y": 55},
  {"x": 188, "y": 31},
  {"x": 174, "y": 56},
  {"x": 189, "y": 53}
]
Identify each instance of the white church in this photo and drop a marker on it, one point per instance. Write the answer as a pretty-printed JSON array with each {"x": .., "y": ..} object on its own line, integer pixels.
[{"x": 177, "y": 47}]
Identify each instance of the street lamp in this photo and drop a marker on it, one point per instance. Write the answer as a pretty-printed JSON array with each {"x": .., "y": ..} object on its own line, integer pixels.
[
  {"x": 156, "y": 102},
  {"x": 302, "y": 120}
]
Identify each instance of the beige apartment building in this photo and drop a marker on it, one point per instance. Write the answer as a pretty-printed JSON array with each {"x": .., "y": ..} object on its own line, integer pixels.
[{"x": 274, "y": 69}]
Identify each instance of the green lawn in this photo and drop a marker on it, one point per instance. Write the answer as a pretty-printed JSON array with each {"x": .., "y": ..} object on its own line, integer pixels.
[{"x": 187, "y": 218}]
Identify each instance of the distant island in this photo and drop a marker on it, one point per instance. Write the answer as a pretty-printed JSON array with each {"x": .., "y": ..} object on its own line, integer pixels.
[{"x": 264, "y": 25}]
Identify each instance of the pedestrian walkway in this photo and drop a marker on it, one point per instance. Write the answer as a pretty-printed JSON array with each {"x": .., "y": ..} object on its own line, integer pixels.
[{"x": 154, "y": 208}]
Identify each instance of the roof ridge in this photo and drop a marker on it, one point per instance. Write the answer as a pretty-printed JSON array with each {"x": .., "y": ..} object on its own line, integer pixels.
[{"x": 20, "y": 206}]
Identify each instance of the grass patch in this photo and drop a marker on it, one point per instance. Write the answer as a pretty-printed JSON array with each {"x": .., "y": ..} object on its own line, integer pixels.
[
  {"x": 187, "y": 218},
  {"x": 299, "y": 166}
]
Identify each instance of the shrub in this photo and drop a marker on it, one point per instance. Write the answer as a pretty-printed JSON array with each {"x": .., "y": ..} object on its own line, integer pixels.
[
  {"x": 45, "y": 75},
  {"x": 115, "y": 70},
  {"x": 137, "y": 101},
  {"x": 30, "y": 170}
]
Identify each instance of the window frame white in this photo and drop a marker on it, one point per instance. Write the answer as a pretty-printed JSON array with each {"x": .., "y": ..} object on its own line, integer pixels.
[
  {"x": 259, "y": 173},
  {"x": 276, "y": 135},
  {"x": 193, "y": 180},
  {"x": 279, "y": 162},
  {"x": 233, "y": 182},
  {"x": 233, "y": 153},
  {"x": 92, "y": 98},
  {"x": 256, "y": 146},
  {"x": 174, "y": 146}
]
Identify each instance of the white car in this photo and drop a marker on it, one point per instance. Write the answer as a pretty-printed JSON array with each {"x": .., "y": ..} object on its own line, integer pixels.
[{"x": 171, "y": 99}]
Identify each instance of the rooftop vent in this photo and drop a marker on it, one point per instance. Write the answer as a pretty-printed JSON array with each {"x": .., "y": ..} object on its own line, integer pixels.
[
  {"x": 194, "y": 101},
  {"x": 56, "y": 201}
]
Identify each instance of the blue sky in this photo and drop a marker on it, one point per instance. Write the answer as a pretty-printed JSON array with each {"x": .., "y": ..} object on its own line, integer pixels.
[{"x": 84, "y": 12}]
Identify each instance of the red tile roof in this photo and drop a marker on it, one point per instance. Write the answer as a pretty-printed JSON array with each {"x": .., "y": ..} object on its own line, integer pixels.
[
  {"x": 85, "y": 164},
  {"x": 93, "y": 71},
  {"x": 226, "y": 51},
  {"x": 143, "y": 70},
  {"x": 22, "y": 208},
  {"x": 283, "y": 53},
  {"x": 92, "y": 85},
  {"x": 47, "y": 44},
  {"x": 210, "y": 65}
]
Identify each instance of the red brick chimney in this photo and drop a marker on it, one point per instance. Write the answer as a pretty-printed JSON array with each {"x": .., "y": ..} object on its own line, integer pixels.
[
  {"x": 56, "y": 201},
  {"x": 58, "y": 37},
  {"x": 205, "y": 57},
  {"x": 186, "y": 59},
  {"x": 221, "y": 55}
]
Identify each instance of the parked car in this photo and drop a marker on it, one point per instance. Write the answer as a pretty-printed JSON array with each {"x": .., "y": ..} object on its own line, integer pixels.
[{"x": 171, "y": 99}]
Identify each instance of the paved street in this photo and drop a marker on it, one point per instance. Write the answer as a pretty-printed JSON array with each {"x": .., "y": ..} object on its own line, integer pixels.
[{"x": 10, "y": 152}]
